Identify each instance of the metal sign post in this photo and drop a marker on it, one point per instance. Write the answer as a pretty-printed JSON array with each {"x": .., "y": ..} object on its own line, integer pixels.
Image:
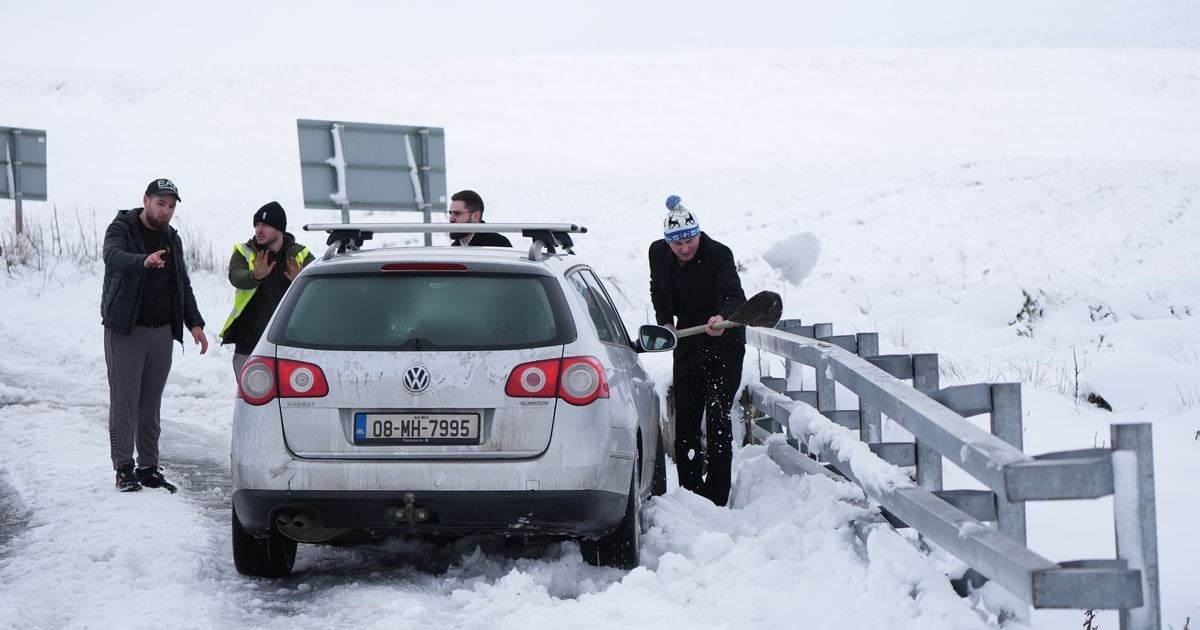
[
  {"x": 16, "y": 171},
  {"x": 364, "y": 166},
  {"x": 24, "y": 164}
]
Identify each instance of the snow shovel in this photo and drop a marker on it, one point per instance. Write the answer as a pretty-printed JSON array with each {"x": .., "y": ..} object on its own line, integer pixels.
[{"x": 762, "y": 309}]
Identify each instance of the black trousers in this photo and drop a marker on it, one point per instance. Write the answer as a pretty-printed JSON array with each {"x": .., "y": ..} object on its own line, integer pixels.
[{"x": 706, "y": 382}]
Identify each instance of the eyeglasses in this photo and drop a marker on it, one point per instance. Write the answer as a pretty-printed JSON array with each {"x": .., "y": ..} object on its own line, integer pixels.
[{"x": 458, "y": 213}]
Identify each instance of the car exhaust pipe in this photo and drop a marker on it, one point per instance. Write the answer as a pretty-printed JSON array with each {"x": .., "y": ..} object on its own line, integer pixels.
[
  {"x": 304, "y": 527},
  {"x": 293, "y": 521}
]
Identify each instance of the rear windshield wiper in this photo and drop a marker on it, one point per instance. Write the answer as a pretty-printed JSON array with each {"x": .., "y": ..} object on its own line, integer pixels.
[{"x": 416, "y": 343}]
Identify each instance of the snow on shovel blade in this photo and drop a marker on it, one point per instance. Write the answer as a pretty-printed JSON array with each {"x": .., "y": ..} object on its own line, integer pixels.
[{"x": 761, "y": 310}]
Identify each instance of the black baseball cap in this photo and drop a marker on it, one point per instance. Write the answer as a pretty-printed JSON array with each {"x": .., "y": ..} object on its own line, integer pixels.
[{"x": 163, "y": 187}]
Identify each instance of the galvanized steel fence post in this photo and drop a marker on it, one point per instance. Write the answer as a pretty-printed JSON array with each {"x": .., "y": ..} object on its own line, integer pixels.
[
  {"x": 793, "y": 377},
  {"x": 793, "y": 373},
  {"x": 929, "y": 462},
  {"x": 1134, "y": 511},
  {"x": 1007, "y": 425},
  {"x": 826, "y": 386},
  {"x": 870, "y": 420}
]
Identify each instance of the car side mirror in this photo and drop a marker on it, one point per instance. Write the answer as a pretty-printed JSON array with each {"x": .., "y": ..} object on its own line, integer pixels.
[{"x": 653, "y": 338}]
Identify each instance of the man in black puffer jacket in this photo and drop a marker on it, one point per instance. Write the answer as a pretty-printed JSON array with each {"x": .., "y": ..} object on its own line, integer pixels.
[
  {"x": 146, "y": 302},
  {"x": 694, "y": 281}
]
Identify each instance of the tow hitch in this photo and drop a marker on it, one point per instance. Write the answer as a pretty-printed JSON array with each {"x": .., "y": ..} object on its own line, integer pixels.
[{"x": 410, "y": 513}]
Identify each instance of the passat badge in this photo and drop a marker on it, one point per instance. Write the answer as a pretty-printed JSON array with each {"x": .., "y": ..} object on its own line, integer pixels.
[{"x": 416, "y": 379}]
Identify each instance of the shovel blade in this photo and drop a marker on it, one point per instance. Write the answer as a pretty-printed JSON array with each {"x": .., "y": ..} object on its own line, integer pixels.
[{"x": 763, "y": 309}]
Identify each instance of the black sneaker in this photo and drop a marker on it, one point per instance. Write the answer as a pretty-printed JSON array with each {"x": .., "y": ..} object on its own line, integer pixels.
[
  {"x": 153, "y": 478},
  {"x": 127, "y": 481}
]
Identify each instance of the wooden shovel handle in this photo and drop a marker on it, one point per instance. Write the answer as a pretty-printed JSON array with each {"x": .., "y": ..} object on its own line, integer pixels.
[{"x": 695, "y": 330}]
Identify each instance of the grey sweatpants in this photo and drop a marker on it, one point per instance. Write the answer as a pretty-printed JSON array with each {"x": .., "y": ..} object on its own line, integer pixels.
[
  {"x": 239, "y": 362},
  {"x": 138, "y": 365}
]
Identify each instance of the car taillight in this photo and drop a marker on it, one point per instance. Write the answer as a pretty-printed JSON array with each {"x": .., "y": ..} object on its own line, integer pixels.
[
  {"x": 582, "y": 381},
  {"x": 257, "y": 383},
  {"x": 577, "y": 380},
  {"x": 536, "y": 380},
  {"x": 301, "y": 380},
  {"x": 264, "y": 378}
]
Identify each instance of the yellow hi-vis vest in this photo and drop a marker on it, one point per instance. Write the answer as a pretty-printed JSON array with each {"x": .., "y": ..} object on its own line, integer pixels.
[{"x": 241, "y": 297}]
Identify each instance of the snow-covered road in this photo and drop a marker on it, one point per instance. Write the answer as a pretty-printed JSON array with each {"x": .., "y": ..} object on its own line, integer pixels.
[{"x": 77, "y": 554}]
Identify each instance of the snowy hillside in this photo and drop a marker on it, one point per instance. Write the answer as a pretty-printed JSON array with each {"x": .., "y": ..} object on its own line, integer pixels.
[{"x": 1025, "y": 204}]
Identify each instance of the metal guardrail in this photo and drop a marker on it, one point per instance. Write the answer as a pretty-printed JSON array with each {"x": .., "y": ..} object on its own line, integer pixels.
[{"x": 954, "y": 519}]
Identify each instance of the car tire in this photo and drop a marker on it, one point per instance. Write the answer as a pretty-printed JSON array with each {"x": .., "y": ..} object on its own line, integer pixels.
[
  {"x": 271, "y": 557},
  {"x": 621, "y": 548},
  {"x": 658, "y": 483}
]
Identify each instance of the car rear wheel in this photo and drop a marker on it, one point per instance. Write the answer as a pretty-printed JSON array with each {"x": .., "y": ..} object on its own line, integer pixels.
[
  {"x": 621, "y": 548},
  {"x": 272, "y": 556}
]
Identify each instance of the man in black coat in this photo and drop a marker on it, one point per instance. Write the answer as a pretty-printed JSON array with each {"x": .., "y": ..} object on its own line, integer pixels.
[
  {"x": 694, "y": 281},
  {"x": 146, "y": 302},
  {"x": 466, "y": 206}
]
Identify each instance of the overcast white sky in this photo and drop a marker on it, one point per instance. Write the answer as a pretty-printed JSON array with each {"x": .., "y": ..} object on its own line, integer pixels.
[{"x": 75, "y": 32}]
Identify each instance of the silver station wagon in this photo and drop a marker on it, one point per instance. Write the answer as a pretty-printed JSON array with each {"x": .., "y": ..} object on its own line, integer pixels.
[{"x": 448, "y": 391}]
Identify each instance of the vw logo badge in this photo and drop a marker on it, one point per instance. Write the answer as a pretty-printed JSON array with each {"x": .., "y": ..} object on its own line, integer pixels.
[{"x": 416, "y": 379}]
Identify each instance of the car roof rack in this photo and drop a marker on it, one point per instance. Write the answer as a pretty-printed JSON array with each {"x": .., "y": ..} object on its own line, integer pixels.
[{"x": 545, "y": 237}]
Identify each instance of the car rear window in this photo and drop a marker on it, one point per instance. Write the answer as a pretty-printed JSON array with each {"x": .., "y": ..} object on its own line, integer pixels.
[{"x": 423, "y": 312}]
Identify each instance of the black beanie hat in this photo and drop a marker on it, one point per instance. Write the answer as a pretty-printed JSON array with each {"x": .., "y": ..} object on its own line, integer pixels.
[{"x": 273, "y": 215}]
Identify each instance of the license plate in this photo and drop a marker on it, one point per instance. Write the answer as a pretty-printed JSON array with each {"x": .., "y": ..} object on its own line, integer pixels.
[{"x": 416, "y": 428}]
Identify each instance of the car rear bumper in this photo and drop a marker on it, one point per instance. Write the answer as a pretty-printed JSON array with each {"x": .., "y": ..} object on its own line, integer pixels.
[{"x": 524, "y": 513}]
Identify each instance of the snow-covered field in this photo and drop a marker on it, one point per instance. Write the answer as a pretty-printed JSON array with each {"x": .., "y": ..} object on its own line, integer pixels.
[{"x": 1027, "y": 212}]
